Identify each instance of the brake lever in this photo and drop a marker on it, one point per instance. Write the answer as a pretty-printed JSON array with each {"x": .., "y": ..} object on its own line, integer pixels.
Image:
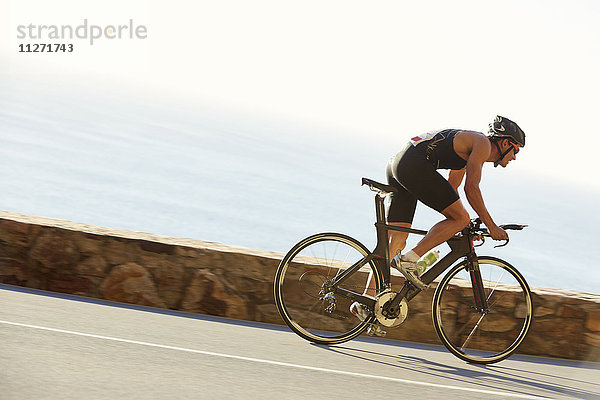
[
  {"x": 482, "y": 242},
  {"x": 505, "y": 243},
  {"x": 515, "y": 227},
  {"x": 486, "y": 233}
]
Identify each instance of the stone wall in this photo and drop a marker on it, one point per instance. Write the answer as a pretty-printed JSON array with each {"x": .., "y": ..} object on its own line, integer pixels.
[{"x": 210, "y": 278}]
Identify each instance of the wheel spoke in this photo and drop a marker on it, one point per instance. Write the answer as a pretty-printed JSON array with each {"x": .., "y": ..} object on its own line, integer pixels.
[
  {"x": 497, "y": 282},
  {"x": 465, "y": 326},
  {"x": 495, "y": 301},
  {"x": 472, "y": 332}
]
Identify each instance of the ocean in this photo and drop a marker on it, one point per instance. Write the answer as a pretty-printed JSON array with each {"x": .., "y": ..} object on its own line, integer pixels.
[{"x": 215, "y": 174}]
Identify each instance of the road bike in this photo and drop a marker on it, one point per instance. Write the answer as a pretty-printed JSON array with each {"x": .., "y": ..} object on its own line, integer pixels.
[{"x": 482, "y": 308}]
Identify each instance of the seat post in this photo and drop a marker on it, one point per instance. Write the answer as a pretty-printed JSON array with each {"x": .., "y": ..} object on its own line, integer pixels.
[
  {"x": 382, "y": 248},
  {"x": 380, "y": 209}
]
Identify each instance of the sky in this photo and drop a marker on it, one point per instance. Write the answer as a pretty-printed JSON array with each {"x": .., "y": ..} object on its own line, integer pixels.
[{"x": 381, "y": 70}]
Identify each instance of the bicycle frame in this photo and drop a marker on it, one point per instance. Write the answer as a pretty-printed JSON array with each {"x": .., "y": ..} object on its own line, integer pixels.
[
  {"x": 319, "y": 295},
  {"x": 461, "y": 245}
]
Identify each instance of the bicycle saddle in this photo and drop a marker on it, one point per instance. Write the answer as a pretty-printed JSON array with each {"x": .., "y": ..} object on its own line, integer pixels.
[{"x": 378, "y": 187}]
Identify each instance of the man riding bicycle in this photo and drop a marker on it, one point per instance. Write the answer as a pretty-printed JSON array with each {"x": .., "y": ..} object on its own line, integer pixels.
[{"x": 413, "y": 172}]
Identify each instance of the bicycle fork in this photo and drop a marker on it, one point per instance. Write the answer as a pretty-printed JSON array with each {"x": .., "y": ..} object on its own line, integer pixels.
[{"x": 479, "y": 296}]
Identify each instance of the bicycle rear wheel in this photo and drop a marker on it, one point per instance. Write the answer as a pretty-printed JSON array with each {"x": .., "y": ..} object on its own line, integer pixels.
[
  {"x": 487, "y": 336},
  {"x": 303, "y": 295}
]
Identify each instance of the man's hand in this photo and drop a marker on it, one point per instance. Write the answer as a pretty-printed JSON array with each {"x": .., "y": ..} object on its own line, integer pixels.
[{"x": 497, "y": 233}]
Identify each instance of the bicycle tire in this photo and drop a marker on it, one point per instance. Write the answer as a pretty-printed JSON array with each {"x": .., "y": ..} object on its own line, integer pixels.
[
  {"x": 483, "y": 337},
  {"x": 299, "y": 281}
]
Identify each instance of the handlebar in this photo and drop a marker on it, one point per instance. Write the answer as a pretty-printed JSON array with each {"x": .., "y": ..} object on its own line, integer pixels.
[{"x": 475, "y": 229}]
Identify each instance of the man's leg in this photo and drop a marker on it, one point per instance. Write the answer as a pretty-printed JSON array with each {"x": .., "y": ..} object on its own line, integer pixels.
[
  {"x": 456, "y": 219},
  {"x": 397, "y": 243},
  {"x": 401, "y": 208},
  {"x": 397, "y": 239}
]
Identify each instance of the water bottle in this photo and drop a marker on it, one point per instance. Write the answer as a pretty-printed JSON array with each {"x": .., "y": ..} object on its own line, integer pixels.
[{"x": 427, "y": 260}]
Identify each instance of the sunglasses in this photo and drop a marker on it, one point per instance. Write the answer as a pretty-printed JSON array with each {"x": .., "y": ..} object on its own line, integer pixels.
[{"x": 515, "y": 147}]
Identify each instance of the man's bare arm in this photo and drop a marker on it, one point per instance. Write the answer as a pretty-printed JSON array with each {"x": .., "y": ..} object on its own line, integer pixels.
[
  {"x": 479, "y": 154},
  {"x": 455, "y": 178}
]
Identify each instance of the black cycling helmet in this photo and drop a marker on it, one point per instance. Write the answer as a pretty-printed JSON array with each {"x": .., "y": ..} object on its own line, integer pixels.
[{"x": 505, "y": 128}]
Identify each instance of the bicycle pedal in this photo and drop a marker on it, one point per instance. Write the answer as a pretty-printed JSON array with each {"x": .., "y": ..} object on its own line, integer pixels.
[{"x": 375, "y": 330}]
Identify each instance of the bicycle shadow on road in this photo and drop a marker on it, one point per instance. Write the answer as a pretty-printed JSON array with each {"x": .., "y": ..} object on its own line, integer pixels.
[{"x": 509, "y": 378}]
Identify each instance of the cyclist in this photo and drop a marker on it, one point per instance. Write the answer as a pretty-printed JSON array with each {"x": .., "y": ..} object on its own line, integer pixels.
[{"x": 413, "y": 172}]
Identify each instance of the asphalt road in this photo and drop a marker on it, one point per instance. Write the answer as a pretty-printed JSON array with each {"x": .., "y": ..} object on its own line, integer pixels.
[{"x": 54, "y": 347}]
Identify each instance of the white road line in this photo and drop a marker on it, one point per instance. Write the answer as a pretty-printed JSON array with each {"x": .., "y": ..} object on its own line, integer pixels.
[{"x": 279, "y": 363}]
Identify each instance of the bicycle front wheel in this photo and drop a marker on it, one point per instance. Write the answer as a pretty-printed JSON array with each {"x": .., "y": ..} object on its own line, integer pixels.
[
  {"x": 308, "y": 303},
  {"x": 476, "y": 335}
]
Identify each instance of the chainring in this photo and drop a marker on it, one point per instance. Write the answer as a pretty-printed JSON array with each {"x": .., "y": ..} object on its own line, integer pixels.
[{"x": 384, "y": 316}]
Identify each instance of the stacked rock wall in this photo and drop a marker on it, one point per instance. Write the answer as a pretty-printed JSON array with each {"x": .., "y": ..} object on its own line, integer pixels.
[{"x": 209, "y": 278}]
